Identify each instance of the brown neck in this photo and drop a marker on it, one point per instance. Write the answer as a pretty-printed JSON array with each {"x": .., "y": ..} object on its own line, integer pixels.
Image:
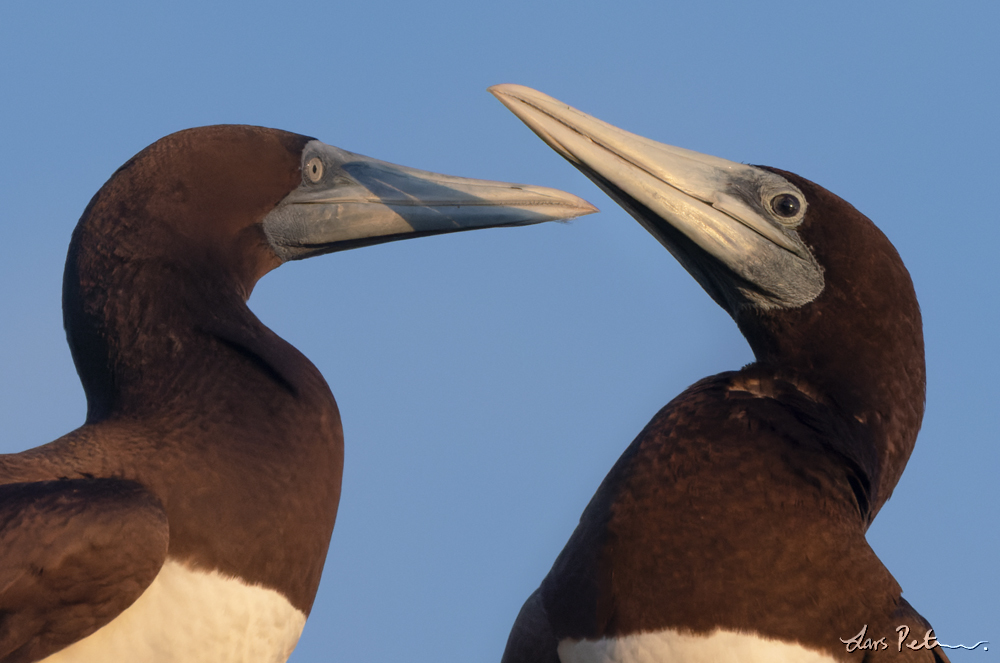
[
  {"x": 866, "y": 357},
  {"x": 143, "y": 331}
]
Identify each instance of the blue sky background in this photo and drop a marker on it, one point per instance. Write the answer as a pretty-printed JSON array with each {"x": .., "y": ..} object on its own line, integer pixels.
[{"x": 488, "y": 380}]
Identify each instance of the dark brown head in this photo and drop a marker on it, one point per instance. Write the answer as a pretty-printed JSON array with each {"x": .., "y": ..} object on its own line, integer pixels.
[
  {"x": 818, "y": 291},
  {"x": 174, "y": 231},
  {"x": 172, "y": 245},
  {"x": 194, "y": 200},
  {"x": 860, "y": 340}
]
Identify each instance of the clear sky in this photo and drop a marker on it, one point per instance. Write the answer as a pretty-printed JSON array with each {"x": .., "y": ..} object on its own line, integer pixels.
[{"x": 488, "y": 380}]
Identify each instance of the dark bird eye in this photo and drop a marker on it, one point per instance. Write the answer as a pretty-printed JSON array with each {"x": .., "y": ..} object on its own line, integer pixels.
[
  {"x": 786, "y": 205},
  {"x": 314, "y": 169}
]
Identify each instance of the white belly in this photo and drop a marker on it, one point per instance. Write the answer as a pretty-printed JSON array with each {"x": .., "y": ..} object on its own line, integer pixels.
[
  {"x": 669, "y": 646},
  {"x": 189, "y": 616}
]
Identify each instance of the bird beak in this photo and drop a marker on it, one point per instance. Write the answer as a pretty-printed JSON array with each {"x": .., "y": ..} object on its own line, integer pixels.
[
  {"x": 693, "y": 203},
  {"x": 348, "y": 200}
]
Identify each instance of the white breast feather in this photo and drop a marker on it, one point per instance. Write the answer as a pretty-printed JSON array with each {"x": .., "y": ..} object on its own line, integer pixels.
[
  {"x": 670, "y": 646},
  {"x": 189, "y": 616}
]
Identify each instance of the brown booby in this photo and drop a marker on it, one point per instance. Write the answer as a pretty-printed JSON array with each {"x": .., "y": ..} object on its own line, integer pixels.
[
  {"x": 733, "y": 527},
  {"x": 188, "y": 519}
]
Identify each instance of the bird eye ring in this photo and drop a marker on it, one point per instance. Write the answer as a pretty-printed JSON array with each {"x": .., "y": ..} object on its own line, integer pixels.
[{"x": 314, "y": 169}]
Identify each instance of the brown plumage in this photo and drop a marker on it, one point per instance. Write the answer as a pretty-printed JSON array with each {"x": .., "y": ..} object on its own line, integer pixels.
[
  {"x": 742, "y": 506},
  {"x": 209, "y": 441}
]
